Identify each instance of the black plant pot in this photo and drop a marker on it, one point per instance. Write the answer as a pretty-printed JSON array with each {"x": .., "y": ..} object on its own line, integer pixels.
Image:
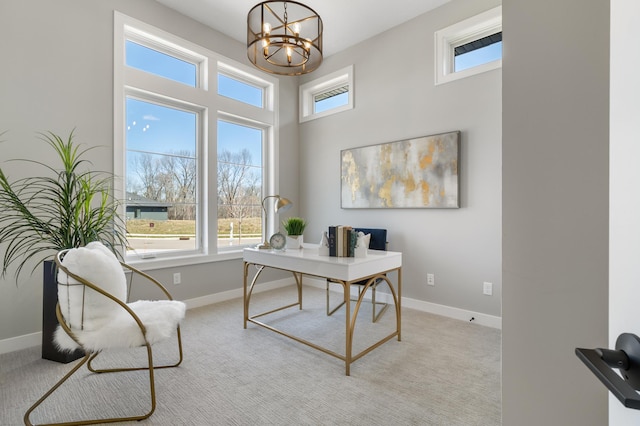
[{"x": 49, "y": 319}]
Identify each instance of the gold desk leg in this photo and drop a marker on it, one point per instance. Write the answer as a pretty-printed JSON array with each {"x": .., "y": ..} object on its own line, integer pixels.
[
  {"x": 244, "y": 294},
  {"x": 399, "y": 307},
  {"x": 347, "y": 302},
  {"x": 298, "y": 277}
]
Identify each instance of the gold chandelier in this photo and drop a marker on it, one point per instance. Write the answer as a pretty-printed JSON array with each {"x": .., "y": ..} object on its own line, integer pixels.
[{"x": 284, "y": 37}]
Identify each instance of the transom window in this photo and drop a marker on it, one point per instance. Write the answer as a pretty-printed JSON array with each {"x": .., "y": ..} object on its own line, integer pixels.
[
  {"x": 330, "y": 99},
  {"x": 192, "y": 153},
  {"x": 469, "y": 47},
  {"x": 327, "y": 95},
  {"x": 159, "y": 63},
  {"x": 478, "y": 52},
  {"x": 240, "y": 91}
]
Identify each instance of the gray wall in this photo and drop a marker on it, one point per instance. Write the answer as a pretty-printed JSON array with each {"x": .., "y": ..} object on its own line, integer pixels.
[
  {"x": 555, "y": 209},
  {"x": 396, "y": 99},
  {"x": 57, "y": 74}
]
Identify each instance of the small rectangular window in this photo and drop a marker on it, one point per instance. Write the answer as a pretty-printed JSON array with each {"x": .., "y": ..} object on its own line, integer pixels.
[
  {"x": 478, "y": 52},
  {"x": 331, "y": 99},
  {"x": 159, "y": 63},
  {"x": 240, "y": 91},
  {"x": 327, "y": 95},
  {"x": 469, "y": 47}
]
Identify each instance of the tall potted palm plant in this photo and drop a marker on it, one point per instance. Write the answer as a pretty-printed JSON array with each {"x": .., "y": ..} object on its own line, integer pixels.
[{"x": 67, "y": 206}]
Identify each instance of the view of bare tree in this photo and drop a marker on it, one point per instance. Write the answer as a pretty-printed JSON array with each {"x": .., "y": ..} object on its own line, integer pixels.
[
  {"x": 171, "y": 178},
  {"x": 182, "y": 169},
  {"x": 239, "y": 186}
]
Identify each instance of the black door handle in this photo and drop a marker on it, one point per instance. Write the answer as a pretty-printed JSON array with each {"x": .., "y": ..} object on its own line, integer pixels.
[{"x": 626, "y": 358}]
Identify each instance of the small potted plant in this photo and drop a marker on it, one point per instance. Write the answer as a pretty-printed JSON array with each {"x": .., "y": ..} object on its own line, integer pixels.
[{"x": 294, "y": 227}]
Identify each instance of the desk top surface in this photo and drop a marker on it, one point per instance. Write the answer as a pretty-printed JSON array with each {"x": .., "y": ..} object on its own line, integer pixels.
[{"x": 308, "y": 261}]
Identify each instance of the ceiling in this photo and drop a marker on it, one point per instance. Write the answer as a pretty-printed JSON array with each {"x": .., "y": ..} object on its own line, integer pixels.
[{"x": 346, "y": 22}]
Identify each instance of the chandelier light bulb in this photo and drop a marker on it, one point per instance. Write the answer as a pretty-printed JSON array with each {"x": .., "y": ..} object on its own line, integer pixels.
[{"x": 289, "y": 53}]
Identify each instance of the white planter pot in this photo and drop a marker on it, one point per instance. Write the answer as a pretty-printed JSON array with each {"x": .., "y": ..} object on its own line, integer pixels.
[{"x": 294, "y": 241}]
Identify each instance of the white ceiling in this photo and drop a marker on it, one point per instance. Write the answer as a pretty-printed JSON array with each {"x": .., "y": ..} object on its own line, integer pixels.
[{"x": 346, "y": 22}]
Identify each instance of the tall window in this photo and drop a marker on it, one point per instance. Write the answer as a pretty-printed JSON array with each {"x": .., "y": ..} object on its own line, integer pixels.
[
  {"x": 240, "y": 175},
  {"x": 192, "y": 153},
  {"x": 161, "y": 176}
]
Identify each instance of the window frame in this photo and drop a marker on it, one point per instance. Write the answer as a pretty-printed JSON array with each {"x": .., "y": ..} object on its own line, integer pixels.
[
  {"x": 334, "y": 80},
  {"x": 210, "y": 106},
  {"x": 463, "y": 32}
]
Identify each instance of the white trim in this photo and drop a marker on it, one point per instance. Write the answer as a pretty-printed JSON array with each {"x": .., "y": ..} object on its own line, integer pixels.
[
  {"x": 447, "y": 39},
  {"x": 452, "y": 312},
  {"x": 35, "y": 339},
  {"x": 19, "y": 343},
  {"x": 308, "y": 92}
]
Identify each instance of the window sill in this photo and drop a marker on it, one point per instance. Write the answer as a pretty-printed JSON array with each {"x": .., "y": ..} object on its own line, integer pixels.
[{"x": 172, "y": 262}]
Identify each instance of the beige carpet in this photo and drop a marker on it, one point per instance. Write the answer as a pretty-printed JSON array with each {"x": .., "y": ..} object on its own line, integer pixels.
[{"x": 443, "y": 372}]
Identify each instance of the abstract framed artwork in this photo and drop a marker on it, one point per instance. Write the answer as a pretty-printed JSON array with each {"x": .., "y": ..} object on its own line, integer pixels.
[{"x": 414, "y": 173}]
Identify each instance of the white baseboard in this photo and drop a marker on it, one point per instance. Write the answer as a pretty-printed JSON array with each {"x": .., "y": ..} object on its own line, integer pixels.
[
  {"x": 20, "y": 342},
  {"x": 455, "y": 313},
  {"x": 420, "y": 305},
  {"x": 34, "y": 339}
]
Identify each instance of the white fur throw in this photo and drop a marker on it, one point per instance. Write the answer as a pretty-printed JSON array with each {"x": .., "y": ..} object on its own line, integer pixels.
[{"x": 105, "y": 324}]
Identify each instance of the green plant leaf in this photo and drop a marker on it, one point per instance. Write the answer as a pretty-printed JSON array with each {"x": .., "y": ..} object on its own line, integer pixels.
[
  {"x": 294, "y": 225},
  {"x": 65, "y": 207}
]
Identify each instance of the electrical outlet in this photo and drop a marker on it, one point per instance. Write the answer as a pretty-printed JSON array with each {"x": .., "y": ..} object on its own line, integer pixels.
[
  {"x": 177, "y": 279},
  {"x": 487, "y": 288},
  {"x": 431, "y": 279}
]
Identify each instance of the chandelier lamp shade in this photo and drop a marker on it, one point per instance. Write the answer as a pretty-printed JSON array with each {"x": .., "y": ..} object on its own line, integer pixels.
[{"x": 284, "y": 37}]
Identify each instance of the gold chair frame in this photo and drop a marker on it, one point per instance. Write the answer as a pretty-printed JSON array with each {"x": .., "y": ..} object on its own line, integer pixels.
[{"x": 90, "y": 356}]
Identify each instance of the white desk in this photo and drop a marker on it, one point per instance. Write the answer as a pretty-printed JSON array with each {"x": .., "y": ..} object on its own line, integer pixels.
[{"x": 341, "y": 270}]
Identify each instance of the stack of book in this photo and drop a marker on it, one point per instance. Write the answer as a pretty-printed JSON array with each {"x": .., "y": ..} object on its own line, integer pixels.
[{"x": 342, "y": 241}]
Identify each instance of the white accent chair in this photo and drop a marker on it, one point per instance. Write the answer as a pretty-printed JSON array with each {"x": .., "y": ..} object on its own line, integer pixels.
[{"x": 94, "y": 315}]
